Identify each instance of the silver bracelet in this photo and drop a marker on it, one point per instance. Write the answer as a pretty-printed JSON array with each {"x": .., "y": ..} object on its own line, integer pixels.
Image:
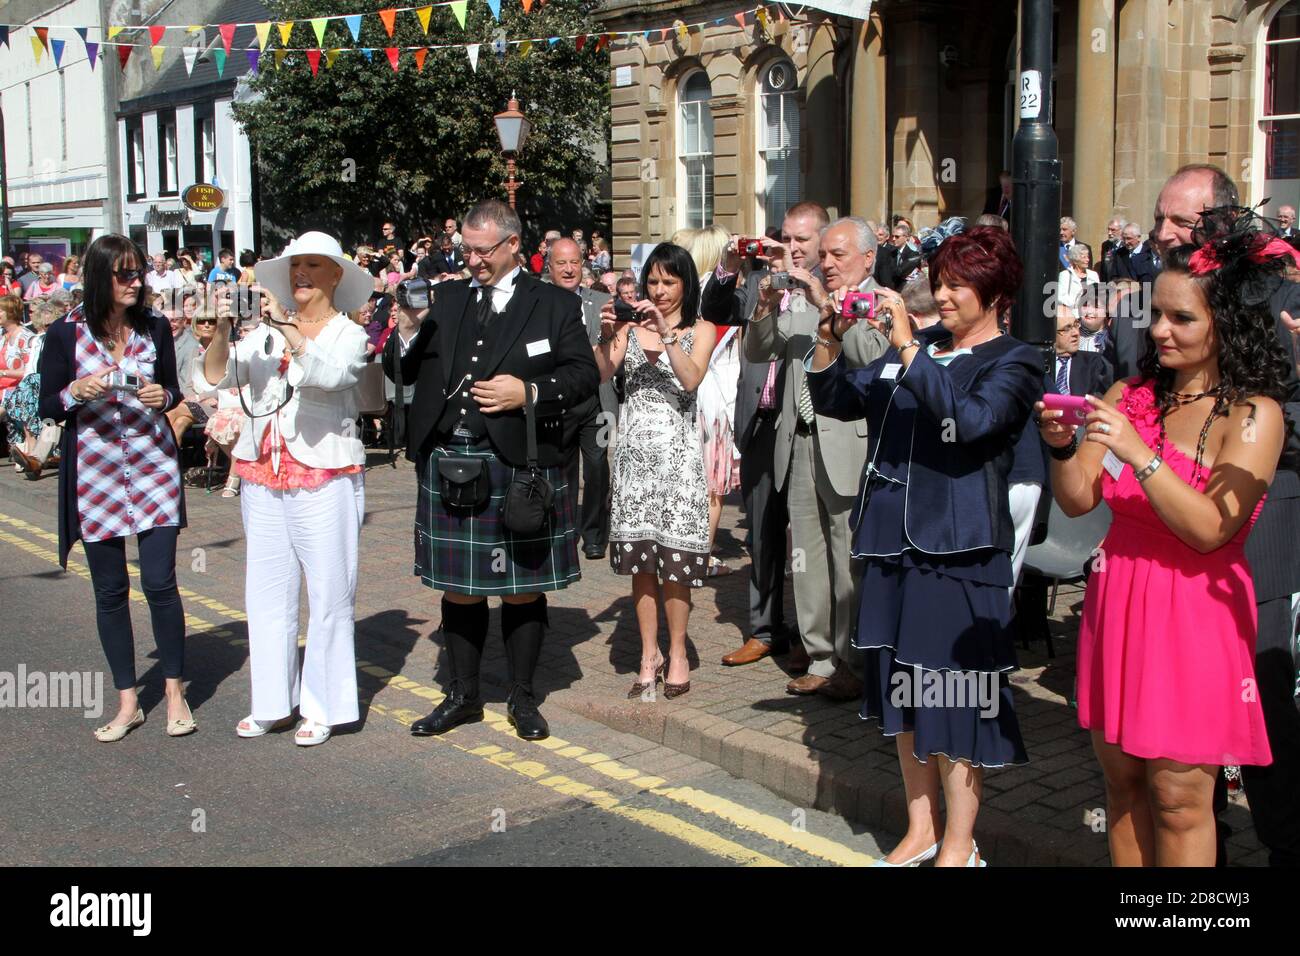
[
  {"x": 1149, "y": 470},
  {"x": 826, "y": 343}
]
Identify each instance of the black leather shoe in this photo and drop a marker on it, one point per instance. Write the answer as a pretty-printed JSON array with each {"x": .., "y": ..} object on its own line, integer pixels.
[
  {"x": 522, "y": 712},
  {"x": 593, "y": 551},
  {"x": 455, "y": 710}
]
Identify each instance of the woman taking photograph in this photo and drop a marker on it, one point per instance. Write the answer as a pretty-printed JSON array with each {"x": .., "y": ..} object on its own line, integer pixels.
[
  {"x": 933, "y": 529},
  {"x": 29, "y": 443},
  {"x": 108, "y": 374},
  {"x": 659, "y": 515},
  {"x": 1183, "y": 455},
  {"x": 300, "y": 459}
]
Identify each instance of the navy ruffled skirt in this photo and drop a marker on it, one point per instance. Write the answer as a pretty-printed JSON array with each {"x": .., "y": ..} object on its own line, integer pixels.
[{"x": 938, "y": 649}]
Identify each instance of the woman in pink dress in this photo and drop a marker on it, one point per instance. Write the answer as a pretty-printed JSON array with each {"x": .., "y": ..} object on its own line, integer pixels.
[{"x": 1182, "y": 454}]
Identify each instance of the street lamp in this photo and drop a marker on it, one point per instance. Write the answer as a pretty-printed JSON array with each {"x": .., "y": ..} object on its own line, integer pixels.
[{"x": 512, "y": 129}]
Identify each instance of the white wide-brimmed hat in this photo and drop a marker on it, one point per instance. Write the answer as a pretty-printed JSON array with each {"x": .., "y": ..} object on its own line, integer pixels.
[{"x": 354, "y": 287}]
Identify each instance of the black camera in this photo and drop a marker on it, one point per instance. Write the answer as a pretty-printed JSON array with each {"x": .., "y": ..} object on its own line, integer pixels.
[
  {"x": 414, "y": 294},
  {"x": 625, "y": 311}
]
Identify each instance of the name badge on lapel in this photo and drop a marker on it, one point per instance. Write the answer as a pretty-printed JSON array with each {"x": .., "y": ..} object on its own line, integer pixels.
[
  {"x": 890, "y": 372},
  {"x": 1112, "y": 464},
  {"x": 540, "y": 347}
]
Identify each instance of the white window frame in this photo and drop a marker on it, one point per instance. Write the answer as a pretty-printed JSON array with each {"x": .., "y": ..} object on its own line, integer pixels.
[
  {"x": 1259, "y": 139},
  {"x": 136, "y": 133},
  {"x": 208, "y": 138},
  {"x": 790, "y": 101},
  {"x": 684, "y": 159},
  {"x": 167, "y": 145}
]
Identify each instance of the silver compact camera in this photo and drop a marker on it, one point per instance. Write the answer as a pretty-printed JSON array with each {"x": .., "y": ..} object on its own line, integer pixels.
[
  {"x": 782, "y": 280},
  {"x": 121, "y": 381}
]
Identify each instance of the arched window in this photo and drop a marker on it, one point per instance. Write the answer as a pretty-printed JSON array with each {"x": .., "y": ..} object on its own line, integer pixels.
[
  {"x": 778, "y": 140},
  {"x": 695, "y": 151},
  {"x": 1280, "y": 108}
]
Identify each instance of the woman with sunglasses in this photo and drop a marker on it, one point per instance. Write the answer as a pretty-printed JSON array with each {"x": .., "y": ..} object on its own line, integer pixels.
[
  {"x": 299, "y": 457},
  {"x": 108, "y": 373}
]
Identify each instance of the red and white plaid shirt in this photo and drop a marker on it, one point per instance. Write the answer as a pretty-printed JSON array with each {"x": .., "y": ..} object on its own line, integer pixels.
[{"x": 128, "y": 476}]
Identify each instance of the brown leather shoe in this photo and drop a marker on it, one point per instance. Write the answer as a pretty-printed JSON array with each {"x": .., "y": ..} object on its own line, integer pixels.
[
  {"x": 842, "y": 686},
  {"x": 752, "y": 650},
  {"x": 808, "y": 684},
  {"x": 30, "y": 466},
  {"x": 797, "y": 662}
]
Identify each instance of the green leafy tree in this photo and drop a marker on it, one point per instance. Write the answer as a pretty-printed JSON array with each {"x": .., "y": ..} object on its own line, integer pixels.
[{"x": 359, "y": 143}]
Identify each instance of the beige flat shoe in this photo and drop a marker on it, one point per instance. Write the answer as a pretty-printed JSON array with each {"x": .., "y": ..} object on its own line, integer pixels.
[
  {"x": 183, "y": 725},
  {"x": 108, "y": 733}
]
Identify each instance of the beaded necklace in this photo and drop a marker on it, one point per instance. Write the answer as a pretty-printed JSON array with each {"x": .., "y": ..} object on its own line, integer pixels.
[{"x": 1177, "y": 400}]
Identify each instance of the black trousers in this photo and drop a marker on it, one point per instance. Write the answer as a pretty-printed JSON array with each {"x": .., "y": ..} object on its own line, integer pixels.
[
  {"x": 593, "y": 439},
  {"x": 107, "y": 561},
  {"x": 768, "y": 520}
]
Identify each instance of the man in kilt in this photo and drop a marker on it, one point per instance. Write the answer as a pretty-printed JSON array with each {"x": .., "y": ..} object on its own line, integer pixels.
[{"x": 483, "y": 342}]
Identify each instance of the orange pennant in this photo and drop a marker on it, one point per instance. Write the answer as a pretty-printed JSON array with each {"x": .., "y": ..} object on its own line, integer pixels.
[
  {"x": 420, "y": 54},
  {"x": 389, "y": 16}
]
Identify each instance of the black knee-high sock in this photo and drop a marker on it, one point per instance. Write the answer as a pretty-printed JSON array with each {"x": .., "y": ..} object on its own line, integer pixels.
[
  {"x": 464, "y": 630},
  {"x": 523, "y": 626}
]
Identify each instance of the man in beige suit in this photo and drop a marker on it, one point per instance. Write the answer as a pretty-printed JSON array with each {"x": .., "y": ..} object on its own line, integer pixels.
[{"x": 819, "y": 460}]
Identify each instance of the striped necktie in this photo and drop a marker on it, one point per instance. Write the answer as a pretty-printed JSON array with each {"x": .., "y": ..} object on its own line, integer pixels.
[
  {"x": 1063, "y": 376},
  {"x": 805, "y": 403}
]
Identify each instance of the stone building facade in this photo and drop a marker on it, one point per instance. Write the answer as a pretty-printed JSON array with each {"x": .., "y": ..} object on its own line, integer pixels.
[{"x": 913, "y": 111}]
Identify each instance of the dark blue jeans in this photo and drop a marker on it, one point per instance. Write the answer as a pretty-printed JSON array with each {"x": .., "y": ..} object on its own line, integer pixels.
[{"x": 107, "y": 560}]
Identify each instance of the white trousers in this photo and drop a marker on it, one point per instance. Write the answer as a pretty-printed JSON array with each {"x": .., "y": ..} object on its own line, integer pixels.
[
  {"x": 1024, "y": 502},
  {"x": 289, "y": 534}
]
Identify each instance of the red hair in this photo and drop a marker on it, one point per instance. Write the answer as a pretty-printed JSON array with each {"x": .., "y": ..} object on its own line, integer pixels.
[{"x": 985, "y": 259}]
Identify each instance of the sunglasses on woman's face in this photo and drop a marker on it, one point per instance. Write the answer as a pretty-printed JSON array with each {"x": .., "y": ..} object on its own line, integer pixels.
[
  {"x": 205, "y": 321},
  {"x": 126, "y": 276}
]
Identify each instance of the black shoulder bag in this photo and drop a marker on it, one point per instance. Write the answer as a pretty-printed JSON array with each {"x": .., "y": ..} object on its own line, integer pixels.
[{"x": 527, "y": 508}]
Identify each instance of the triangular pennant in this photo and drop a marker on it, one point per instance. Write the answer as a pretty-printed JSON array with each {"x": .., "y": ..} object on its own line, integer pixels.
[
  {"x": 92, "y": 53},
  {"x": 318, "y": 24},
  {"x": 392, "y": 53},
  {"x": 552, "y": 41},
  {"x": 124, "y": 54},
  {"x": 423, "y": 14},
  {"x": 157, "y": 53},
  {"x": 4, "y": 36},
  {"x": 253, "y": 57},
  {"x": 38, "y": 48},
  {"x": 388, "y": 17},
  {"x": 780, "y": 14},
  {"x": 683, "y": 33},
  {"x": 197, "y": 29},
  {"x": 472, "y": 52},
  {"x": 56, "y": 47},
  {"x": 370, "y": 54},
  {"x": 525, "y": 48},
  {"x": 579, "y": 43},
  {"x": 114, "y": 31},
  {"x": 279, "y": 56},
  {"x": 285, "y": 29},
  {"x": 663, "y": 34},
  {"x": 740, "y": 18},
  {"x": 528, "y": 6},
  {"x": 331, "y": 56},
  {"x": 263, "y": 33},
  {"x": 458, "y": 11},
  {"x": 81, "y": 32},
  {"x": 601, "y": 41},
  {"x": 156, "y": 35},
  {"x": 313, "y": 57},
  {"x": 191, "y": 53},
  {"x": 420, "y": 54},
  {"x": 495, "y": 7},
  {"x": 44, "y": 34},
  {"x": 220, "y": 57},
  {"x": 227, "y": 34},
  {"x": 354, "y": 26}
]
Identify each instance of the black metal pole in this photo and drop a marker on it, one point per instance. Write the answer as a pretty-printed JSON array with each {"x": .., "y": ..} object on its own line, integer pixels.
[
  {"x": 6, "y": 241},
  {"x": 1036, "y": 196}
]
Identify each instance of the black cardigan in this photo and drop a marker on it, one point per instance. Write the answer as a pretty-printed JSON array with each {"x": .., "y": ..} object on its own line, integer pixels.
[{"x": 57, "y": 367}]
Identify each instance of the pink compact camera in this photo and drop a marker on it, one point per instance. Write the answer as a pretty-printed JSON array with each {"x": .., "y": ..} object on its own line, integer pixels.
[
  {"x": 858, "y": 305},
  {"x": 1075, "y": 407}
]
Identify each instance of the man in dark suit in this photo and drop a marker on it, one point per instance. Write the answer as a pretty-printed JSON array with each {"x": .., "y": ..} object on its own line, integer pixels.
[
  {"x": 1286, "y": 227},
  {"x": 486, "y": 348},
  {"x": 1075, "y": 372},
  {"x": 595, "y": 418},
  {"x": 998, "y": 202},
  {"x": 1137, "y": 260},
  {"x": 1110, "y": 249},
  {"x": 448, "y": 260}
]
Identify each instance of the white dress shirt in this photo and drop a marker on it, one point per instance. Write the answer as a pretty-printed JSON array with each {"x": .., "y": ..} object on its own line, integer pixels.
[{"x": 502, "y": 291}]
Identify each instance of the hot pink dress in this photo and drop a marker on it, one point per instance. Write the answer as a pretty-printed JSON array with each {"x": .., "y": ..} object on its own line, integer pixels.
[{"x": 1167, "y": 641}]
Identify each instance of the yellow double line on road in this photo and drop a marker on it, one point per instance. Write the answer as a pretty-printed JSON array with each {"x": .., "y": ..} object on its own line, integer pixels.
[{"x": 772, "y": 828}]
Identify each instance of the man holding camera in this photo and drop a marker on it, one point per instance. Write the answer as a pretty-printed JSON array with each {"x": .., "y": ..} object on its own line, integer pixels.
[
  {"x": 819, "y": 460},
  {"x": 495, "y": 364}
]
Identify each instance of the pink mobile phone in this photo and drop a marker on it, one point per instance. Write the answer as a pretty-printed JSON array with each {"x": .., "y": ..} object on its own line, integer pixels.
[{"x": 1076, "y": 407}]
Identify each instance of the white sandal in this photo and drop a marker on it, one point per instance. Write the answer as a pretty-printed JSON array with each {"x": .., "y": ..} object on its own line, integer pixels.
[
  {"x": 260, "y": 728},
  {"x": 311, "y": 733}
]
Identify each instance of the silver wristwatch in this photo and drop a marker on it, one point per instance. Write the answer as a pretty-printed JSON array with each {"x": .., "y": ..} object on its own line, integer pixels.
[{"x": 1149, "y": 470}]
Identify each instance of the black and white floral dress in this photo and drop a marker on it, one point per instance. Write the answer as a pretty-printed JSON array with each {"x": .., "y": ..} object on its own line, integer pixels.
[{"x": 659, "y": 518}]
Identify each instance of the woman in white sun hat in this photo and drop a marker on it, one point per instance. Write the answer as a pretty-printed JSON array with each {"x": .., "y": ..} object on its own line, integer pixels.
[{"x": 300, "y": 457}]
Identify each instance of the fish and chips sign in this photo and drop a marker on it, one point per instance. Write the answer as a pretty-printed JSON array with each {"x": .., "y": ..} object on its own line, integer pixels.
[{"x": 204, "y": 198}]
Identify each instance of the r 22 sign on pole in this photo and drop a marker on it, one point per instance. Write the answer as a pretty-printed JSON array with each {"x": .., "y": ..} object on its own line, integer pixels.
[{"x": 1031, "y": 95}]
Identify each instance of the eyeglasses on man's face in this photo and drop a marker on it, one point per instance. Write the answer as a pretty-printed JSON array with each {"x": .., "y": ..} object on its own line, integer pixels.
[
  {"x": 484, "y": 253},
  {"x": 1072, "y": 327}
]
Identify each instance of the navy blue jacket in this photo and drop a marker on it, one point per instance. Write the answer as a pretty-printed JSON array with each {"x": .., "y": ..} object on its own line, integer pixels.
[{"x": 956, "y": 488}]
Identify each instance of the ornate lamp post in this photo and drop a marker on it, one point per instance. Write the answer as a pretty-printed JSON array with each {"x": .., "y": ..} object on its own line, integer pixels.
[{"x": 512, "y": 129}]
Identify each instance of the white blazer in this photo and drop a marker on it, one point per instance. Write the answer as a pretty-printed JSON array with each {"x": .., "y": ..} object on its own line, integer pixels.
[{"x": 319, "y": 420}]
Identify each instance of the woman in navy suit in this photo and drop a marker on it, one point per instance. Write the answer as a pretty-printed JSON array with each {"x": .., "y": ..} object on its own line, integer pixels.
[{"x": 933, "y": 529}]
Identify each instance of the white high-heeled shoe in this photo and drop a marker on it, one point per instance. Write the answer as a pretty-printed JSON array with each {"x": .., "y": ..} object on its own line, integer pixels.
[
  {"x": 927, "y": 854},
  {"x": 974, "y": 853}
]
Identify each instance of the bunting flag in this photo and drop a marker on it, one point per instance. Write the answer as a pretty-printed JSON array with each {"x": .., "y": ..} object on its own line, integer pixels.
[
  {"x": 44, "y": 34},
  {"x": 683, "y": 33},
  {"x": 580, "y": 42},
  {"x": 370, "y": 54},
  {"x": 157, "y": 53},
  {"x": 740, "y": 18},
  {"x": 458, "y": 10},
  {"x": 124, "y": 54},
  {"x": 156, "y": 35},
  {"x": 528, "y": 6},
  {"x": 279, "y": 56},
  {"x": 472, "y": 52},
  {"x": 4, "y": 35},
  {"x": 191, "y": 53},
  {"x": 227, "y": 34},
  {"x": 525, "y": 48},
  {"x": 56, "y": 47},
  {"x": 388, "y": 16},
  {"x": 354, "y": 26},
  {"x": 38, "y": 48},
  {"x": 318, "y": 24},
  {"x": 420, "y": 54},
  {"x": 331, "y": 56},
  {"x": 313, "y": 57},
  {"x": 114, "y": 31},
  {"x": 392, "y": 53},
  {"x": 285, "y": 29},
  {"x": 263, "y": 33},
  {"x": 424, "y": 13},
  {"x": 601, "y": 41},
  {"x": 495, "y": 7},
  {"x": 92, "y": 54},
  {"x": 253, "y": 57},
  {"x": 663, "y": 34},
  {"x": 195, "y": 30},
  {"x": 219, "y": 56},
  {"x": 81, "y": 32},
  {"x": 552, "y": 41}
]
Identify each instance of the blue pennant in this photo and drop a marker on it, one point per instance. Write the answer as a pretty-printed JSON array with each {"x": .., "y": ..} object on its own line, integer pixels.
[
  {"x": 370, "y": 54},
  {"x": 354, "y": 25},
  {"x": 495, "y": 6}
]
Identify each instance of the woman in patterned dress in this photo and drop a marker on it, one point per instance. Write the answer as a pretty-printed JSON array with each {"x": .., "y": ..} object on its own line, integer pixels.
[{"x": 659, "y": 517}]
